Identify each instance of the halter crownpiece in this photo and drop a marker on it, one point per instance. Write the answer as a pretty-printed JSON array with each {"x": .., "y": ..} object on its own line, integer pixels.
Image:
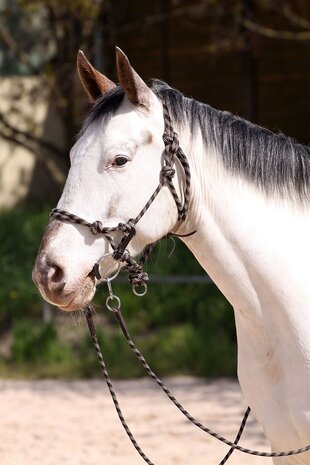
[{"x": 172, "y": 152}]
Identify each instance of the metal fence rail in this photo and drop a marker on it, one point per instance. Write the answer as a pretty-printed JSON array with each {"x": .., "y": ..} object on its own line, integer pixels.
[{"x": 172, "y": 279}]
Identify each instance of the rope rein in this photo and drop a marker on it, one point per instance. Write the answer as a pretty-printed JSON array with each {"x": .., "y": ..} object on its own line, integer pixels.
[
  {"x": 123, "y": 327},
  {"x": 138, "y": 277},
  {"x": 233, "y": 445}
]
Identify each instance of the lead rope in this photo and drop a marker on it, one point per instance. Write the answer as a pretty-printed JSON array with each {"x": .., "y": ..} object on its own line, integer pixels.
[
  {"x": 92, "y": 330},
  {"x": 233, "y": 445}
]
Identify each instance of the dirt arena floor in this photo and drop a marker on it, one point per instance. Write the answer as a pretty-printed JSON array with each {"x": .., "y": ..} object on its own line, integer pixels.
[{"x": 74, "y": 423}]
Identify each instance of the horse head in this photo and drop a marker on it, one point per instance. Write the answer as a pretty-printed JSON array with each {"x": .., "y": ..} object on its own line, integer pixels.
[{"x": 115, "y": 167}]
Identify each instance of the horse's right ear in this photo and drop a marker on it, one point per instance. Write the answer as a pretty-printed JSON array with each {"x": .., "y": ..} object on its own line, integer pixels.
[
  {"x": 95, "y": 83},
  {"x": 138, "y": 93}
]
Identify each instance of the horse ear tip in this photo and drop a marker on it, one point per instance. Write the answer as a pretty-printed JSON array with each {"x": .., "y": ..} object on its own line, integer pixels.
[
  {"x": 120, "y": 53},
  {"x": 80, "y": 56}
]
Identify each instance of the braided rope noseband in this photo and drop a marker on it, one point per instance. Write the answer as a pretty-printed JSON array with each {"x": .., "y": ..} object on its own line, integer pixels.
[{"x": 172, "y": 152}]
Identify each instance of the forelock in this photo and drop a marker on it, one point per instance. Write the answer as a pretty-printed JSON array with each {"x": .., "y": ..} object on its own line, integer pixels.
[{"x": 104, "y": 107}]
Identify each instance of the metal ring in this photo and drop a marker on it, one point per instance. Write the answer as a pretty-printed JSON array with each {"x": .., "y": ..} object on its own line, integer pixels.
[
  {"x": 109, "y": 278},
  {"x": 113, "y": 297},
  {"x": 142, "y": 293}
]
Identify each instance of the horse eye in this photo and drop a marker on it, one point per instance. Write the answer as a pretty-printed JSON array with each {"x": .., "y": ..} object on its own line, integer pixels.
[{"x": 119, "y": 161}]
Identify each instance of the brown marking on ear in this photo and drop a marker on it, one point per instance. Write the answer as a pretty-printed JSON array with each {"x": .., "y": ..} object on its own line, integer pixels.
[
  {"x": 135, "y": 88},
  {"x": 95, "y": 83}
]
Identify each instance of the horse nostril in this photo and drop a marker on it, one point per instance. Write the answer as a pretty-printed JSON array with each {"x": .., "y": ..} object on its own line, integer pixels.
[
  {"x": 55, "y": 277},
  {"x": 56, "y": 274},
  {"x": 49, "y": 275}
]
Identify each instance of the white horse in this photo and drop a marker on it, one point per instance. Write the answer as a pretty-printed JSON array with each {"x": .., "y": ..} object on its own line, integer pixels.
[{"x": 250, "y": 208}]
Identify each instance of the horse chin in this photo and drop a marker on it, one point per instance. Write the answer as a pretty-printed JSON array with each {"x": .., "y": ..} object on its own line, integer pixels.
[
  {"x": 76, "y": 300},
  {"x": 77, "y": 303}
]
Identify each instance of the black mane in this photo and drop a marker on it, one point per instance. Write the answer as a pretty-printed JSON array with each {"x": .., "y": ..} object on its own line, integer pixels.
[{"x": 273, "y": 162}]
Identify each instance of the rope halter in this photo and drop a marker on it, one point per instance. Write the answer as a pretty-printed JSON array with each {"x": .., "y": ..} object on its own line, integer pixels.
[{"x": 172, "y": 152}]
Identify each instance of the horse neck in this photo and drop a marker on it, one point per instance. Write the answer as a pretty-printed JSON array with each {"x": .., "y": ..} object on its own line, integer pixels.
[
  {"x": 242, "y": 233},
  {"x": 256, "y": 251}
]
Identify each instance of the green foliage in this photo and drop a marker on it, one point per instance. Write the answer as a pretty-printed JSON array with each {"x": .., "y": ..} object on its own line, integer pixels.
[
  {"x": 36, "y": 343},
  {"x": 181, "y": 329},
  {"x": 186, "y": 329},
  {"x": 20, "y": 233}
]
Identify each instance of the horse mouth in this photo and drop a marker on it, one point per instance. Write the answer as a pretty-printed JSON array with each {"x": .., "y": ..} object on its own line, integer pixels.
[
  {"x": 73, "y": 300},
  {"x": 87, "y": 290},
  {"x": 77, "y": 303}
]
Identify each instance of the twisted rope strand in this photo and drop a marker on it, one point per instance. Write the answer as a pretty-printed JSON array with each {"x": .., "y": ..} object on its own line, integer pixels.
[
  {"x": 95, "y": 227},
  {"x": 232, "y": 445},
  {"x": 105, "y": 372},
  {"x": 238, "y": 436}
]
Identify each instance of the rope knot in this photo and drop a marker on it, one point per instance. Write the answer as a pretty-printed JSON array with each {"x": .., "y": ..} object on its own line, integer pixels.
[
  {"x": 96, "y": 227},
  {"x": 138, "y": 278},
  {"x": 136, "y": 275},
  {"x": 126, "y": 227},
  {"x": 167, "y": 172},
  {"x": 171, "y": 142}
]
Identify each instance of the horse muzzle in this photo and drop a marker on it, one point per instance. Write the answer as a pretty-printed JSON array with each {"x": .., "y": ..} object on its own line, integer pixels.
[{"x": 56, "y": 287}]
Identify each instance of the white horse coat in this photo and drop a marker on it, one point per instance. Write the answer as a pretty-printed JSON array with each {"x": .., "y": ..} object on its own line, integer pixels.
[{"x": 253, "y": 231}]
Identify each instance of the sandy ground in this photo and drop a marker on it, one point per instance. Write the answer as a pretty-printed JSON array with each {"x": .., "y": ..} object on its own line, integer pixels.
[{"x": 74, "y": 423}]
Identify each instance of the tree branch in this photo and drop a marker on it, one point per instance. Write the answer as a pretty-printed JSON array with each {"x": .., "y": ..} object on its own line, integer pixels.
[
  {"x": 20, "y": 133},
  {"x": 201, "y": 8},
  {"x": 273, "y": 33},
  {"x": 299, "y": 21},
  {"x": 31, "y": 143},
  {"x": 177, "y": 12},
  {"x": 7, "y": 39},
  {"x": 9, "y": 42},
  {"x": 284, "y": 8}
]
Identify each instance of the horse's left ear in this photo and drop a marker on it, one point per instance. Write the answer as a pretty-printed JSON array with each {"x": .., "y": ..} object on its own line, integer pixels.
[
  {"x": 95, "y": 83},
  {"x": 135, "y": 88}
]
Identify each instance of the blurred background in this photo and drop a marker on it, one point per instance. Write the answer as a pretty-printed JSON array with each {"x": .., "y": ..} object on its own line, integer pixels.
[{"x": 251, "y": 57}]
